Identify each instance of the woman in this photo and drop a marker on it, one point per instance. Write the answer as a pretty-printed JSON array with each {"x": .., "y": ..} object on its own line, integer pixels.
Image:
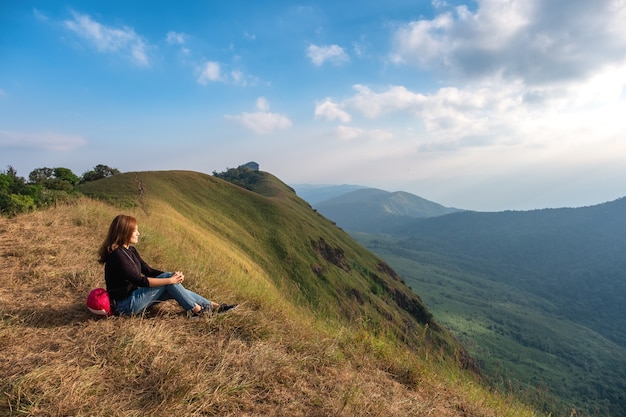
[{"x": 133, "y": 285}]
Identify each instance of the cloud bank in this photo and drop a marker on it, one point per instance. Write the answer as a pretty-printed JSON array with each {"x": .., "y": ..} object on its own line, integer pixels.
[{"x": 535, "y": 41}]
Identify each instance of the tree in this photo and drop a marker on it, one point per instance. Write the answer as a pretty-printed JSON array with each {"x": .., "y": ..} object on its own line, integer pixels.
[
  {"x": 12, "y": 172},
  {"x": 65, "y": 174},
  {"x": 46, "y": 186},
  {"x": 14, "y": 192},
  {"x": 62, "y": 179},
  {"x": 99, "y": 172},
  {"x": 243, "y": 176},
  {"x": 40, "y": 175},
  {"x": 17, "y": 184}
]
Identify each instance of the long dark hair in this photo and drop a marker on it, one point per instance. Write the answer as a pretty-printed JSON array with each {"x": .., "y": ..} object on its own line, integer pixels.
[{"x": 120, "y": 232}]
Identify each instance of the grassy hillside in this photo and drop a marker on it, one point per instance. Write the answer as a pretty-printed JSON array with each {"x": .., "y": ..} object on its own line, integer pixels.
[
  {"x": 537, "y": 297},
  {"x": 324, "y": 327}
]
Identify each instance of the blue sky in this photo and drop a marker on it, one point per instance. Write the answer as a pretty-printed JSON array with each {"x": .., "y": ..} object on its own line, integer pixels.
[{"x": 485, "y": 105}]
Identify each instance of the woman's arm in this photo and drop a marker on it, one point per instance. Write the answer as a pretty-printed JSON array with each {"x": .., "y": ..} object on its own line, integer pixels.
[
  {"x": 177, "y": 278},
  {"x": 142, "y": 275}
]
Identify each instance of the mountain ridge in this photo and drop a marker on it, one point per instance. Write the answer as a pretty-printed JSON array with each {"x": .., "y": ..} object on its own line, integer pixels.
[
  {"x": 316, "y": 193},
  {"x": 373, "y": 210}
]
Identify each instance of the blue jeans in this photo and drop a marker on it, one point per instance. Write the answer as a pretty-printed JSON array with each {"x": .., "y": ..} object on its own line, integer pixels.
[{"x": 144, "y": 297}]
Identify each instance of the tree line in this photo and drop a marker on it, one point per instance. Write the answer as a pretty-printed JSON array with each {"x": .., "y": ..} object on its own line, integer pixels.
[
  {"x": 246, "y": 176},
  {"x": 44, "y": 187}
]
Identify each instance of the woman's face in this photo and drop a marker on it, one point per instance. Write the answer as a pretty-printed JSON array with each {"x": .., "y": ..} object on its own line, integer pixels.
[{"x": 134, "y": 238}]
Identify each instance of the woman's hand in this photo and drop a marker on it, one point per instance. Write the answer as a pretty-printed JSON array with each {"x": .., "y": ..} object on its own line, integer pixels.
[{"x": 177, "y": 278}]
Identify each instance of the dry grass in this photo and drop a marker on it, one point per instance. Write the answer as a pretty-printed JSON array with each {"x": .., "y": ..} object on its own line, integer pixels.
[{"x": 266, "y": 358}]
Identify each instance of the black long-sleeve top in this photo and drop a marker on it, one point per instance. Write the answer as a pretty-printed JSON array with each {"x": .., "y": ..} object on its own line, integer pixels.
[{"x": 125, "y": 271}]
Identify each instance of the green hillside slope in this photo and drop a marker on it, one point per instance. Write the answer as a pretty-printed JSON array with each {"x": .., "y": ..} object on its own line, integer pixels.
[
  {"x": 324, "y": 328},
  {"x": 538, "y": 297},
  {"x": 317, "y": 264}
]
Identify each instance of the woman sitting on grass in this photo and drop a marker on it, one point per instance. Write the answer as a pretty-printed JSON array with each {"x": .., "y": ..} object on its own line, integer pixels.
[{"x": 133, "y": 285}]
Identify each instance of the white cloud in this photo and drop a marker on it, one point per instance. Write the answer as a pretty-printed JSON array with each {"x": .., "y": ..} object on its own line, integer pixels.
[
  {"x": 348, "y": 132},
  {"x": 330, "y": 53},
  {"x": 500, "y": 112},
  {"x": 210, "y": 72},
  {"x": 238, "y": 77},
  {"x": 45, "y": 140},
  {"x": 262, "y": 104},
  {"x": 351, "y": 133},
  {"x": 532, "y": 40},
  {"x": 175, "y": 38},
  {"x": 179, "y": 39},
  {"x": 330, "y": 110},
  {"x": 110, "y": 39},
  {"x": 138, "y": 52},
  {"x": 396, "y": 98},
  {"x": 262, "y": 121},
  {"x": 423, "y": 42},
  {"x": 438, "y": 4},
  {"x": 40, "y": 16}
]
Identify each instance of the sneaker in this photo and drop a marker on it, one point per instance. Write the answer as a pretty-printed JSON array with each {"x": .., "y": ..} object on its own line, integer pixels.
[
  {"x": 203, "y": 312},
  {"x": 223, "y": 308}
]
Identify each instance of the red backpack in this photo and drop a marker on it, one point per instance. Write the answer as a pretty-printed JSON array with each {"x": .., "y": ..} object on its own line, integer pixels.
[{"x": 98, "y": 302}]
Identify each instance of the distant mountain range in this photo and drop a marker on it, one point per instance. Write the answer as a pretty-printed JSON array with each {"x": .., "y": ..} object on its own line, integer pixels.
[
  {"x": 356, "y": 208},
  {"x": 314, "y": 194}
]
